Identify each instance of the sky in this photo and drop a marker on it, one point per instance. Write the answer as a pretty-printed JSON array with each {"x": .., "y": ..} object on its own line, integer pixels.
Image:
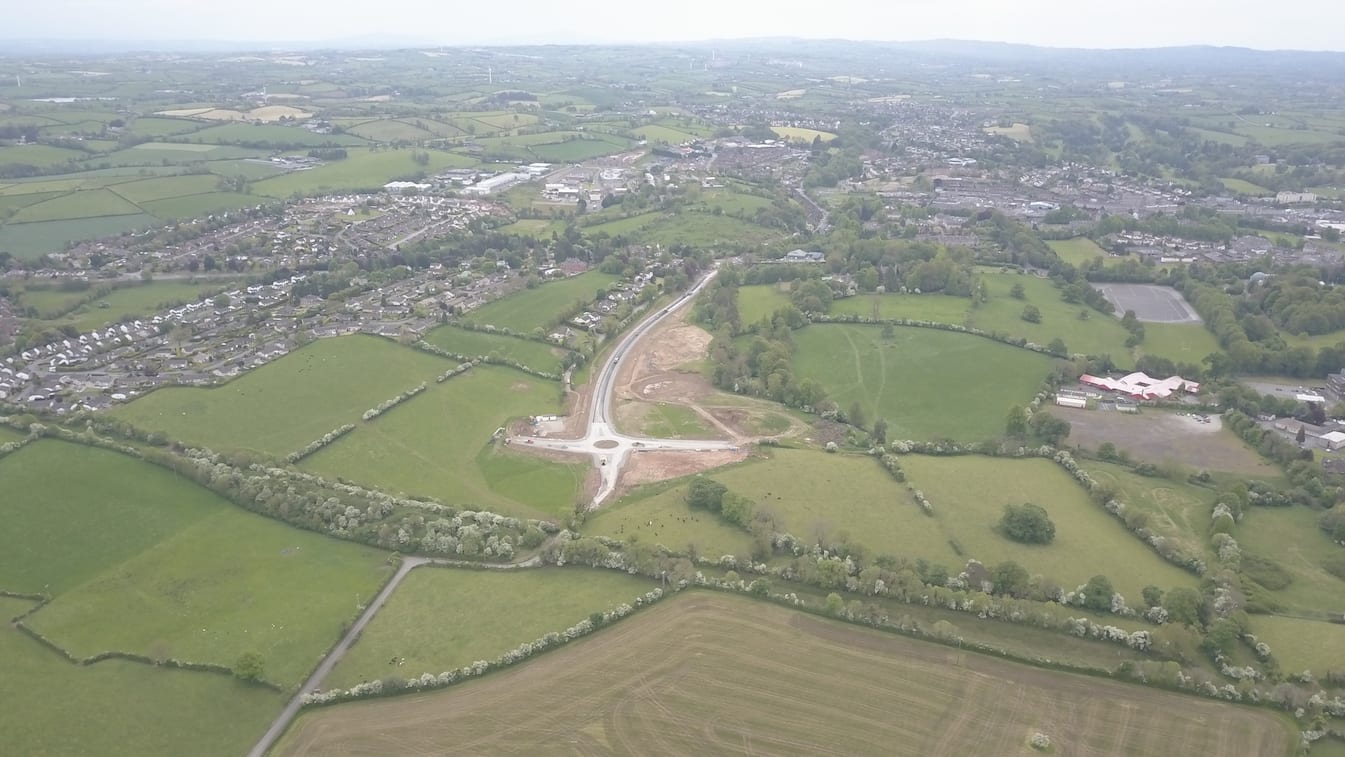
[{"x": 1304, "y": 25}]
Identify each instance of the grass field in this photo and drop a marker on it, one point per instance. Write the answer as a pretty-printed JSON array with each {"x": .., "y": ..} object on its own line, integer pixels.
[
  {"x": 1244, "y": 187},
  {"x": 1300, "y": 645},
  {"x": 705, "y": 230},
  {"x": 540, "y": 307},
  {"x": 166, "y": 186},
  {"x": 703, "y": 673},
  {"x": 150, "y": 563},
  {"x": 124, "y": 303},
  {"x": 492, "y": 612},
  {"x": 658, "y": 133},
  {"x": 41, "y": 156},
  {"x": 284, "y": 405},
  {"x": 1097, "y": 335},
  {"x": 32, "y": 240},
  {"x": 532, "y": 354},
  {"x": 800, "y": 134},
  {"x": 940, "y": 308},
  {"x": 577, "y": 150},
  {"x": 362, "y": 170},
  {"x": 56, "y": 708},
  {"x": 1178, "y": 342},
  {"x": 1290, "y": 538},
  {"x": 281, "y": 137},
  {"x": 659, "y": 515},
  {"x": 1077, "y": 251},
  {"x": 438, "y": 444},
  {"x": 665, "y": 421},
  {"x": 969, "y": 495},
  {"x": 197, "y": 206},
  {"x": 87, "y": 203},
  {"x": 1179, "y": 512},
  {"x": 811, "y": 493},
  {"x": 926, "y": 383}
]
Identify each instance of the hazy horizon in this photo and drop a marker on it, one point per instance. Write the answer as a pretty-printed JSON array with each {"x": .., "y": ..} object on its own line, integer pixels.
[{"x": 1308, "y": 25}]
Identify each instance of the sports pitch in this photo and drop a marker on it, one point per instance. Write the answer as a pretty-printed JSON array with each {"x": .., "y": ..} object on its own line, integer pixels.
[{"x": 1153, "y": 304}]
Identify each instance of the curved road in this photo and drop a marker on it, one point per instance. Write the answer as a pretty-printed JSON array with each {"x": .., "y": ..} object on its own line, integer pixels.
[
  {"x": 608, "y": 448},
  {"x": 609, "y": 451}
]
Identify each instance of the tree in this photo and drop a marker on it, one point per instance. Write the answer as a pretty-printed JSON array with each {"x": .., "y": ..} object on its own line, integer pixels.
[
  {"x": 1049, "y": 428},
  {"x": 1097, "y": 594},
  {"x": 1302, "y": 435},
  {"x": 1057, "y": 347},
  {"x": 706, "y": 494},
  {"x": 222, "y": 301},
  {"x": 1017, "y": 292},
  {"x": 1027, "y": 524},
  {"x": 249, "y": 667},
  {"x": 1010, "y": 579},
  {"x": 856, "y": 414},
  {"x": 1183, "y": 606},
  {"x": 880, "y": 431},
  {"x": 582, "y": 205},
  {"x": 1031, "y": 314},
  {"x": 1016, "y": 425},
  {"x": 835, "y": 604},
  {"x": 1153, "y": 596}
]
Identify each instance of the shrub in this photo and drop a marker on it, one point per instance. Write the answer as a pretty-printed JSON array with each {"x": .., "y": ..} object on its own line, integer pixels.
[{"x": 1027, "y": 523}]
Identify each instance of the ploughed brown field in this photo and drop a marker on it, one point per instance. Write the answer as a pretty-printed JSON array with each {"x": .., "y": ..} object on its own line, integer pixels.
[{"x": 704, "y": 673}]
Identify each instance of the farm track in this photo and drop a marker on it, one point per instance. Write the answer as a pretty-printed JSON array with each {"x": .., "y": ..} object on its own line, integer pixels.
[{"x": 329, "y": 662}]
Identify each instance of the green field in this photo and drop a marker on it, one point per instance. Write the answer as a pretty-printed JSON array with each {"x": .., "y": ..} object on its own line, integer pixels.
[
  {"x": 41, "y": 156},
  {"x": 532, "y": 354},
  {"x": 122, "y": 304},
  {"x": 87, "y": 203},
  {"x": 658, "y": 133},
  {"x": 577, "y": 150},
  {"x": 927, "y": 384},
  {"x": 811, "y": 493},
  {"x": 32, "y": 240},
  {"x": 286, "y": 404},
  {"x": 1289, "y": 537},
  {"x": 271, "y": 135},
  {"x": 666, "y": 421},
  {"x": 660, "y": 515},
  {"x": 1179, "y": 512},
  {"x": 167, "y": 186},
  {"x": 969, "y": 495},
  {"x": 706, "y": 230},
  {"x": 443, "y": 619},
  {"x": 800, "y": 134},
  {"x": 1178, "y": 342},
  {"x": 55, "y": 708},
  {"x": 940, "y": 308},
  {"x": 438, "y": 444},
  {"x": 1300, "y": 645},
  {"x": 1097, "y": 335},
  {"x": 1077, "y": 251},
  {"x": 198, "y": 206},
  {"x": 362, "y": 170},
  {"x": 1244, "y": 187},
  {"x": 627, "y": 226},
  {"x": 153, "y": 564},
  {"x": 707, "y": 673},
  {"x": 150, "y": 126},
  {"x": 539, "y": 308}
]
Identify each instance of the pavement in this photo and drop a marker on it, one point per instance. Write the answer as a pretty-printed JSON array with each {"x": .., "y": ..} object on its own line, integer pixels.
[{"x": 608, "y": 448}]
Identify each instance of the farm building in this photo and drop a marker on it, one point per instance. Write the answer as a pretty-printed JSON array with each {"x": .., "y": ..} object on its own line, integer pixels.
[
  {"x": 1071, "y": 400},
  {"x": 1333, "y": 440},
  {"x": 1141, "y": 385}
]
